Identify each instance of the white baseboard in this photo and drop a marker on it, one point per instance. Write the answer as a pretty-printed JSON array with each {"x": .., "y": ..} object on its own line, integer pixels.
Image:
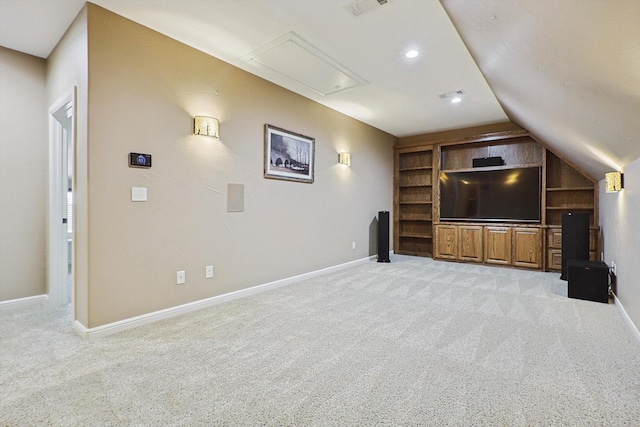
[
  {"x": 133, "y": 322},
  {"x": 24, "y": 302},
  {"x": 626, "y": 317}
]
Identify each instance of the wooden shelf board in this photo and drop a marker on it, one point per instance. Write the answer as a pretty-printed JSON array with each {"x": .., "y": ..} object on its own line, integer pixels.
[
  {"x": 416, "y": 203},
  {"x": 415, "y": 185},
  {"x": 570, "y": 189},
  {"x": 416, "y": 253},
  {"x": 416, "y": 168},
  {"x": 416, "y": 236},
  {"x": 570, "y": 208},
  {"x": 416, "y": 218}
]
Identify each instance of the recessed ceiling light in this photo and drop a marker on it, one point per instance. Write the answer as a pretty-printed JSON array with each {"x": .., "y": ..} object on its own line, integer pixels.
[
  {"x": 456, "y": 100},
  {"x": 412, "y": 53}
]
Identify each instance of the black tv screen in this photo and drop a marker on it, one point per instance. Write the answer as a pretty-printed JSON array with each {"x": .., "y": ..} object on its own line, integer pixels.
[{"x": 509, "y": 195}]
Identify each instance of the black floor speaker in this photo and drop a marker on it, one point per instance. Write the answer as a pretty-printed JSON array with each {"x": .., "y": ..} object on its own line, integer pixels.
[
  {"x": 575, "y": 239},
  {"x": 383, "y": 236},
  {"x": 588, "y": 280}
]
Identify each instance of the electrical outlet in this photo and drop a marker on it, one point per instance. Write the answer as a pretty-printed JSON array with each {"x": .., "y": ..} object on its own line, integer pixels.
[
  {"x": 181, "y": 277},
  {"x": 353, "y": 245},
  {"x": 208, "y": 272},
  {"x": 613, "y": 268}
]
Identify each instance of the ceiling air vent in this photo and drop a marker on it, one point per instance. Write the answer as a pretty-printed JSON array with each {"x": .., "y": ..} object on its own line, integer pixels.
[
  {"x": 360, "y": 7},
  {"x": 449, "y": 95}
]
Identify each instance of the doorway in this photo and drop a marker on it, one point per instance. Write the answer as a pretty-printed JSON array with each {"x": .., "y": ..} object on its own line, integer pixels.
[{"x": 60, "y": 247}]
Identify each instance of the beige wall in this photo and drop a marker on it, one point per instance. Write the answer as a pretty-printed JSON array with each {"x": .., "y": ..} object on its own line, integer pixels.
[
  {"x": 619, "y": 214},
  {"x": 144, "y": 90},
  {"x": 67, "y": 68},
  {"x": 23, "y": 175}
]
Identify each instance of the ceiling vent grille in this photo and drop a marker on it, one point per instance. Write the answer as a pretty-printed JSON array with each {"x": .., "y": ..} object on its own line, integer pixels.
[
  {"x": 453, "y": 94},
  {"x": 360, "y": 7}
]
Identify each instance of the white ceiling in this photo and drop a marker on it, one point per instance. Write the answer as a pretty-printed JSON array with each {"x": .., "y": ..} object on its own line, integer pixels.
[{"x": 567, "y": 70}]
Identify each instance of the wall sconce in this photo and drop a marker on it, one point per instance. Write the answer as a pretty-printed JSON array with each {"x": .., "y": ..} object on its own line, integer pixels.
[
  {"x": 344, "y": 159},
  {"x": 613, "y": 182},
  {"x": 207, "y": 126}
]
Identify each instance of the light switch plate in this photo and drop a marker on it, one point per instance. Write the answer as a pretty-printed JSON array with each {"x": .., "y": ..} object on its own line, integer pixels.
[
  {"x": 138, "y": 194},
  {"x": 181, "y": 277}
]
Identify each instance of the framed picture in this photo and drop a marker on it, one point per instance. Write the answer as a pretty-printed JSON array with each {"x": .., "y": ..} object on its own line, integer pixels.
[{"x": 288, "y": 155}]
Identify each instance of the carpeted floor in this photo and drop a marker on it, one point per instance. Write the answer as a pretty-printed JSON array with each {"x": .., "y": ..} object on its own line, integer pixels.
[{"x": 416, "y": 343}]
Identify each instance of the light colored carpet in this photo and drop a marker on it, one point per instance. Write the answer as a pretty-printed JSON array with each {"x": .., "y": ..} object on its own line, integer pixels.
[{"x": 416, "y": 342}]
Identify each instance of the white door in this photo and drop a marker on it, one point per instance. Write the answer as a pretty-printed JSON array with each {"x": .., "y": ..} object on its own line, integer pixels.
[{"x": 60, "y": 225}]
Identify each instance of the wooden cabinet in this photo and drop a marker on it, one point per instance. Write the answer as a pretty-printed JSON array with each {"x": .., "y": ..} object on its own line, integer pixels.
[
  {"x": 497, "y": 245},
  {"x": 470, "y": 243},
  {"x": 554, "y": 247},
  {"x": 507, "y": 245},
  {"x": 527, "y": 247},
  {"x": 413, "y": 201},
  {"x": 446, "y": 242},
  {"x": 554, "y": 260},
  {"x": 417, "y": 227}
]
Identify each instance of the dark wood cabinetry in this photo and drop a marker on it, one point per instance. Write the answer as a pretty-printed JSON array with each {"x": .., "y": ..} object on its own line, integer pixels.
[{"x": 419, "y": 231}]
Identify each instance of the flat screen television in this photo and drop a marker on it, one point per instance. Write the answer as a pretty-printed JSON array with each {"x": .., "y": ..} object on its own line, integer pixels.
[{"x": 500, "y": 195}]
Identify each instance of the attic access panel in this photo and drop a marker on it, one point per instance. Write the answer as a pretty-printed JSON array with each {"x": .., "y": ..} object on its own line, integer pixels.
[{"x": 294, "y": 58}]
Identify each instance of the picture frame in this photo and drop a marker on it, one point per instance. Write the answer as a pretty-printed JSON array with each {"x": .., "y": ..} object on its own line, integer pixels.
[{"x": 288, "y": 155}]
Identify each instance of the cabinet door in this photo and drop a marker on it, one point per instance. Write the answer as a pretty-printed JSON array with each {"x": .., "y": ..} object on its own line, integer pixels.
[
  {"x": 555, "y": 260},
  {"x": 527, "y": 247},
  {"x": 446, "y": 241},
  {"x": 555, "y": 238},
  {"x": 470, "y": 243},
  {"x": 497, "y": 245}
]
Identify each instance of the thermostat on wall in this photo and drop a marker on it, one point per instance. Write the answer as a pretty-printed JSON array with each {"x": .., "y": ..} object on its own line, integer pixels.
[{"x": 139, "y": 160}]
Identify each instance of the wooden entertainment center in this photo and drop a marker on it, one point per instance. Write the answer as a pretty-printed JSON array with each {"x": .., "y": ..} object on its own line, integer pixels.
[{"x": 416, "y": 216}]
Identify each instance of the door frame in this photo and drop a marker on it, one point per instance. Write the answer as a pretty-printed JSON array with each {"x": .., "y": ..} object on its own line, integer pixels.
[{"x": 57, "y": 237}]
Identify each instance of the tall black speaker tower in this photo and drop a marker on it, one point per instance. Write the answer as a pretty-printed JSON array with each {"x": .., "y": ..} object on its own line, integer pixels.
[
  {"x": 383, "y": 236},
  {"x": 575, "y": 239}
]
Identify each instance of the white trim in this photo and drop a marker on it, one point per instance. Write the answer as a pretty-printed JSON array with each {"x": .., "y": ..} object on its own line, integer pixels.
[
  {"x": 133, "y": 322},
  {"x": 626, "y": 317},
  {"x": 26, "y": 302}
]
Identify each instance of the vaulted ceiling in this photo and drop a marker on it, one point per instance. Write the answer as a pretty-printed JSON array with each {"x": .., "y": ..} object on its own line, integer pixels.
[{"x": 567, "y": 70}]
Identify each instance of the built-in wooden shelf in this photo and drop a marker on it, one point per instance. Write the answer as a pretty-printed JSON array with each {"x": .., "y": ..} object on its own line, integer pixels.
[
  {"x": 571, "y": 189},
  {"x": 415, "y": 185},
  {"x": 415, "y": 218},
  {"x": 419, "y": 231},
  {"x": 569, "y": 208},
  {"x": 413, "y": 201},
  {"x": 417, "y": 203},
  {"x": 417, "y": 168},
  {"x": 416, "y": 236}
]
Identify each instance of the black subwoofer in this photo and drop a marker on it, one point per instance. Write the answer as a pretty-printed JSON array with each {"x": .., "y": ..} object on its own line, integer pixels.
[
  {"x": 383, "y": 236},
  {"x": 588, "y": 280},
  {"x": 575, "y": 239}
]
